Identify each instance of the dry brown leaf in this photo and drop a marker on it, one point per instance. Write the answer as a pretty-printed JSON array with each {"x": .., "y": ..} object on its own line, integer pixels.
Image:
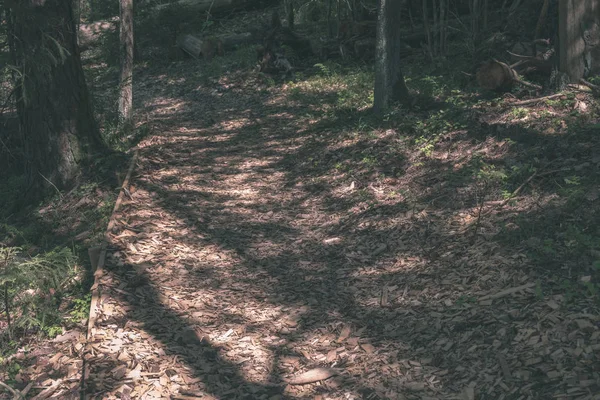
[
  {"x": 331, "y": 355},
  {"x": 344, "y": 334},
  {"x": 368, "y": 348}
]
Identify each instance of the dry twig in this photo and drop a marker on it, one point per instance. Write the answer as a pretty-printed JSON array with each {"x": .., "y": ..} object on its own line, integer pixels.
[{"x": 537, "y": 99}]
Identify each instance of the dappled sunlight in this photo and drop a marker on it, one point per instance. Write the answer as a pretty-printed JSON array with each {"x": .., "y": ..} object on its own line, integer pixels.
[
  {"x": 235, "y": 124},
  {"x": 280, "y": 230},
  {"x": 275, "y": 239},
  {"x": 166, "y": 105}
]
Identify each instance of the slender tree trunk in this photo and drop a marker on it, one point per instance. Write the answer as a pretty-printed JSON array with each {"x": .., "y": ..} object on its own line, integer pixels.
[
  {"x": 485, "y": 14},
  {"x": 475, "y": 15},
  {"x": 389, "y": 80},
  {"x": 443, "y": 26},
  {"x": 410, "y": 16},
  {"x": 436, "y": 27},
  {"x": 329, "y": 24},
  {"x": 427, "y": 28},
  {"x": 290, "y": 14},
  {"x": 53, "y": 103},
  {"x": 126, "y": 78}
]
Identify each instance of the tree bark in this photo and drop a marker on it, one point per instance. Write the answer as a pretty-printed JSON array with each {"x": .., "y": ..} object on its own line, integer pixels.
[
  {"x": 126, "y": 77},
  {"x": 290, "y": 14},
  {"x": 389, "y": 80},
  {"x": 579, "y": 37},
  {"x": 427, "y": 29},
  {"x": 53, "y": 103}
]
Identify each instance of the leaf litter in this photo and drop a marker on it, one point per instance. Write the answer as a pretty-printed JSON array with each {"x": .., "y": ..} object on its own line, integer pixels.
[
  {"x": 240, "y": 272},
  {"x": 241, "y": 269}
]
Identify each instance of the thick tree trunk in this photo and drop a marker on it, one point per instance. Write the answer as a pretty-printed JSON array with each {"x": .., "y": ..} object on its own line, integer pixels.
[
  {"x": 579, "y": 37},
  {"x": 52, "y": 98},
  {"x": 389, "y": 80},
  {"x": 126, "y": 77}
]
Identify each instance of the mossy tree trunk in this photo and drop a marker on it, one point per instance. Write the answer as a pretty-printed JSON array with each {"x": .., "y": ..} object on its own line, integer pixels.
[
  {"x": 389, "y": 80},
  {"x": 53, "y": 102}
]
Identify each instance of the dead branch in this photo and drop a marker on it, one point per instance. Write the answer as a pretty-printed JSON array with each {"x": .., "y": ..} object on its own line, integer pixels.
[
  {"x": 537, "y": 99},
  {"x": 507, "y": 292},
  {"x": 15, "y": 393},
  {"x": 517, "y": 190},
  {"x": 314, "y": 375},
  {"x": 595, "y": 88},
  {"x": 531, "y": 85}
]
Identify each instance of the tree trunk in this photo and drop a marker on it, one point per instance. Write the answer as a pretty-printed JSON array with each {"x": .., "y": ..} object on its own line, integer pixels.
[
  {"x": 475, "y": 15},
  {"x": 579, "y": 37},
  {"x": 329, "y": 23},
  {"x": 52, "y": 98},
  {"x": 290, "y": 14},
  {"x": 427, "y": 29},
  {"x": 389, "y": 80},
  {"x": 126, "y": 77},
  {"x": 436, "y": 28},
  {"x": 443, "y": 26}
]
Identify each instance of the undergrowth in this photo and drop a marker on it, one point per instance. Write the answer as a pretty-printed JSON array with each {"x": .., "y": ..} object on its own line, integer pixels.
[
  {"x": 556, "y": 223},
  {"x": 33, "y": 289}
]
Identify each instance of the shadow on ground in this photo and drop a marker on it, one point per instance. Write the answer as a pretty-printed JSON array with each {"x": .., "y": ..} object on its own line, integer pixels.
[{"x": 300, "y": 215}]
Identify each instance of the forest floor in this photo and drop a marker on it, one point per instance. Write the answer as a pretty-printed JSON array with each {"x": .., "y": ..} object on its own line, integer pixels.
[
  {"x": 450, "y": 251},
  {"x": 272, "y": 229}
]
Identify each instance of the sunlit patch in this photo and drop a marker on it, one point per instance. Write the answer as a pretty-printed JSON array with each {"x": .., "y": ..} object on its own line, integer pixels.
[
  {"x": 166, "y": 105},
  {"x": 234, "y": 124}
]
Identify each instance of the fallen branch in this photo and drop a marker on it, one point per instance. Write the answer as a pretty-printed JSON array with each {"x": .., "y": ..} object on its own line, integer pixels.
[
  {"x": 314, "y": 375},
  {"x": 531, "y": 85},
  {"x": 49, "y": 391},
  {"x": 595, "y": 88},
  {"x": 536, "y": 173},
  {"x": 16, "y": 393},
  {"x": 517, "y": 190},
  {"x": 589, "y": 84},
  {"x": 506, "y": 292},
  {"x": 537, "y": 99},
  {"x": 513, "y": 195}
]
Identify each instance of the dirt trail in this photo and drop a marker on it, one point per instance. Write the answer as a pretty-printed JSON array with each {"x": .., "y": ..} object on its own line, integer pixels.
[{"x": 233, "y": 268}]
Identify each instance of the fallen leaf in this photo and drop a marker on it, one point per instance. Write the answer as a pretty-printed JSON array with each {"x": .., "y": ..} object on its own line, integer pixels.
[
  {"x": 332, "y": 355},
  {"x": 368, "y": 348},
  {"x": 344, "y": 334}
]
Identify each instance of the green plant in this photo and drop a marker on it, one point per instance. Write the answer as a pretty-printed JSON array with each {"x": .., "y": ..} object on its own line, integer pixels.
[
  {"x": 519, "y": 112},
  {"x": 30, "y": 287},
  {"x": 322, "y": 69},
  {"x": 80, "y": 308},
  {"x": 573, "y": 180},
  {"x": 369, "y": 161}
]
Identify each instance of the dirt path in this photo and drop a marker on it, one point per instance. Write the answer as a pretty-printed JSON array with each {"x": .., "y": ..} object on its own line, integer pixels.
[{"x": 234, "y": 266}]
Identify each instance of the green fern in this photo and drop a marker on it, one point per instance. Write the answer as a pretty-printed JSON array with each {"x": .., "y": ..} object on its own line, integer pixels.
[{"x": 28, "y": 286}]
